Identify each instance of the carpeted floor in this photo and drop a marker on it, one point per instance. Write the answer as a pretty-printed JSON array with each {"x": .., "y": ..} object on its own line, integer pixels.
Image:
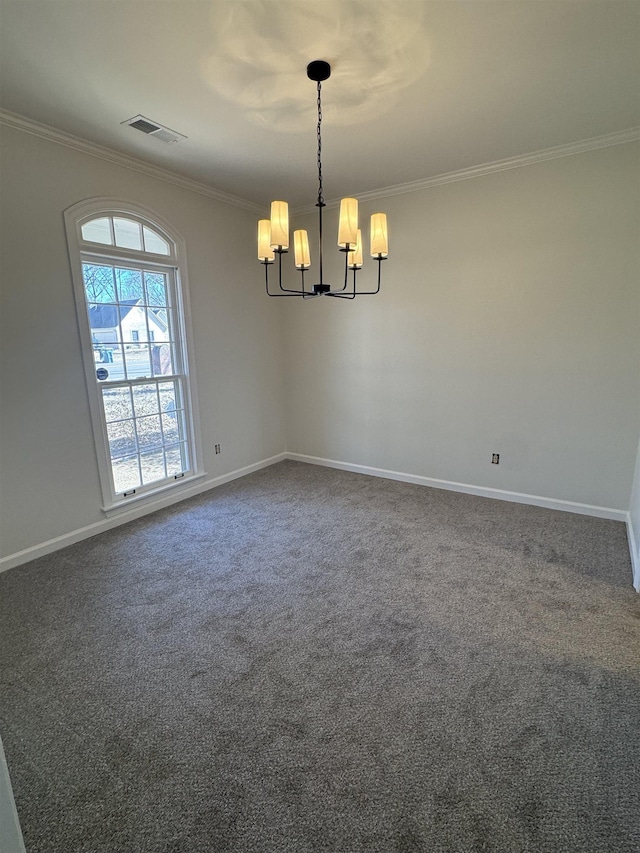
[{"x": 313, "y": 660}]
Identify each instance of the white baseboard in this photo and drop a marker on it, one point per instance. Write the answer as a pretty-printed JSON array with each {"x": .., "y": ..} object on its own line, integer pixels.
[
  {"x": 481, "y": 491},
  {"x": 78, "y": 535},
  {"x": 497, "y": 494},
  {"x": 20, "y": 557},
  {"x": 634, "y": 549}
]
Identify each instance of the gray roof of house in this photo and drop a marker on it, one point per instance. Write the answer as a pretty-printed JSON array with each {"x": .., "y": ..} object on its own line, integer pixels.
[{"x": 105, "y": 316}]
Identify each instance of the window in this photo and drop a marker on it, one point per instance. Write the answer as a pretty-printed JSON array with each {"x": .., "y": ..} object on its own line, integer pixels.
[{"x": 132, "y": 313}]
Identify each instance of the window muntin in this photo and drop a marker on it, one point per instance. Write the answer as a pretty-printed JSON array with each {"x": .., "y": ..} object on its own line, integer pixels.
[
  {"x": 146, "y": 430},
  {"x": 130, "y": 309},
  {"x": 131, "y": 318},
  {"x": 133, "y": 326},
  {"x": 125, "y": 233}
]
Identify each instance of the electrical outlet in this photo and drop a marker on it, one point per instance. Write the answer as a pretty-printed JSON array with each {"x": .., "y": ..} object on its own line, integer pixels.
[
  {"x": 495, "y": 458},
  {"x": 217, "y": 448}
]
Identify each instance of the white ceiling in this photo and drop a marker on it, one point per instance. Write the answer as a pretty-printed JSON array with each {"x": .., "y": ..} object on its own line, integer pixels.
[{"x": 418, "y": 88}]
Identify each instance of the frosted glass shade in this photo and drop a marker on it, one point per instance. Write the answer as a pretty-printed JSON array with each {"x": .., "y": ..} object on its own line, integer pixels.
[
  {"x": 379, "y": 236},
  {"x": 348, "y": 224},
  {"x": 279, "y": 225},
  {"x": 265, "y": 252},
  {"x": 301, "y": 250},
  {"x": 355, "y": 257}
]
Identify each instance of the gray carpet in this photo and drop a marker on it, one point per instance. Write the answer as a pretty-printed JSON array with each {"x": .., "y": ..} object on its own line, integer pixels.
[{"x": 313, "y": 660}]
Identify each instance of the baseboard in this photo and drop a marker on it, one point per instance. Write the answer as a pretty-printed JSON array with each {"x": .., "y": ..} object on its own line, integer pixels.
[
  {"x": 40, "y": 550},
  {"x": 35, "y": 551},
  {"x": 634, "y": 550},
  {"x": 480, "y": 491},
  {"x": 497, "y": 494}
]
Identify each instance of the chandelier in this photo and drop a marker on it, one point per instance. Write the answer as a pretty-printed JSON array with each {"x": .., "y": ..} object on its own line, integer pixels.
[{"x": 273, "y": 234}]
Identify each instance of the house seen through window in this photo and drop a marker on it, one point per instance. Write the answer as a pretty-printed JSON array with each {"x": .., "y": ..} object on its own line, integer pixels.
[{"x": 138, "y": 360}]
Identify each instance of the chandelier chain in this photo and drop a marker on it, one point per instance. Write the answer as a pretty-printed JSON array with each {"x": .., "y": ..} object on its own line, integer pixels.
[{"x": 320, "y": 191}]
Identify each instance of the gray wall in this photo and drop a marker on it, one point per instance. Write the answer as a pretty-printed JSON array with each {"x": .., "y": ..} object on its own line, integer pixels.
[
  {"x": 49, "y": 473},
  {"x": 508, "y": 322}
]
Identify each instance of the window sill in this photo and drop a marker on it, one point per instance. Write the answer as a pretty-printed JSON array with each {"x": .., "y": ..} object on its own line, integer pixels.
[{"x": 152, "y": 496}]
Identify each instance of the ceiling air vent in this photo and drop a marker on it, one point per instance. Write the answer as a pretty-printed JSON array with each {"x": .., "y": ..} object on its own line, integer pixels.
[{"x": 152, "y": 128}]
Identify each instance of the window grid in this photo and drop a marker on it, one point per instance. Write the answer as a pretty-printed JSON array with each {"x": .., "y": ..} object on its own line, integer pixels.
[
  {"x": 153, "y": 457},
  {"x": 125, "y": 233},
  {"x": 160, "y": 446},
  {"x": 160, "y": 310}
]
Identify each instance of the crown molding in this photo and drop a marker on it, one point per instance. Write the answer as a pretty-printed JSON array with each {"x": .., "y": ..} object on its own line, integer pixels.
[
  {"x": 44, "y": 131},
  {"x": 617, "y": 138}
]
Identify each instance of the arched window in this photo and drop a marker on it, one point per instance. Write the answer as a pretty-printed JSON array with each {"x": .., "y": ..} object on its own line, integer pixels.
[{"x": 130, "y": 284}]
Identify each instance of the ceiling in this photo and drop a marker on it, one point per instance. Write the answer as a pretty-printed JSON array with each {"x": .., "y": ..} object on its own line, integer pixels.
[{"x": 418, "y": 88}]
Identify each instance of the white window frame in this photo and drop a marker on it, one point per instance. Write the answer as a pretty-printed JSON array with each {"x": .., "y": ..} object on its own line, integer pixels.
[{"x": 174, "y": 263}]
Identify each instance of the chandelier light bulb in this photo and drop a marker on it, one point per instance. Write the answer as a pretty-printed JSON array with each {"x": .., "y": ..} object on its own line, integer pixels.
[
  {"x": 348, "y": 223},
  {"x": 279, "y": 225},
  {"x": 265, "y": 252},
  {"x": 301, "y": 250},
  {"x": 355, "y": 256},
  {"x": 379, "y": 236}
]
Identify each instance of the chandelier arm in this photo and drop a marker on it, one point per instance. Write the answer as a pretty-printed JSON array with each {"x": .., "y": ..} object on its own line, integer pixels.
[
  {"x": 346, "y": 276},
  {"x": 352, "y": 295},
  {"x": 346, "y": 273},
  {"x": 276, "y": 295},
  {"x": 377, "y": 290},
  {"x": 306, "y": 294},
  {"x": 285, "y": 291}
]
